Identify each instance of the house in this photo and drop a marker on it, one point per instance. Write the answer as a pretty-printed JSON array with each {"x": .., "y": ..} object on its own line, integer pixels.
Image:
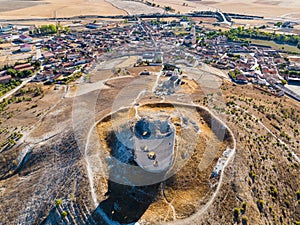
[
  {"x": 241, "y": 79},
  {"x": 294, "y": 66},
  {"x": 25, "y": 48},
  {"x": 262, "y": 82},
  {"x": 73, "y": 56},
  {"x": 79, "y": 62},
  {"x": 25, "y": 66},
  {"x": 68, "y": 64},
  {"x": 6, "y": 37},
  {"x": 148, "y": 57},
  {"x": 48, "y": 55},
  {"x": 144, "y": 73},
  {"x": 40, "y": 77},
  {"x": 21, "y": 66},
  {"x": 25, "y": 38},
  {"x": 5, "y": 79},
  {"x": 184, "y": 23},
  {"x": 169, "y": 73},
  {"x": 6, "y": 29},
  {"x": 158, "y": 58},
  {"x": 190, "y": 40},
  {"x": 92, "y": 26}
]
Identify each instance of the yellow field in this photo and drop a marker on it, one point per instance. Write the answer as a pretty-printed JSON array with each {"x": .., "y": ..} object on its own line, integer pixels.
[
  {"x": 65, "y": 8},
  {"x": 10, "y": 9},
  {"x": 267, "y": 8}
]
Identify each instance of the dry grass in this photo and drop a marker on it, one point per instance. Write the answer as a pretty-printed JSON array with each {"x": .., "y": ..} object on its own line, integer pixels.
[
  {"x": 66, "y": 8},
  {"x": 187, "y": 188},
  {"x": 287, "y": 8}
]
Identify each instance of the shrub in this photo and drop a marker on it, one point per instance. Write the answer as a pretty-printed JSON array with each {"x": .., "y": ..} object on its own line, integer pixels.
[
  {"x": 260, "y": 204},
  {"x": 298, "y": 195},
  {"x": 244, "y": 220},
  {"x": 244, "y": 206},
  {"x": 33, "y": 106},
  {"x": 252, "y": 175},
  {"x": 236, "y": 213},
  {"x": 273, "y": 191}
]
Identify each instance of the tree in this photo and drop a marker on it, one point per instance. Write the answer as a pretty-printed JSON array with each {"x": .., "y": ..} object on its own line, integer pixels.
[
  {"x": 284, "y": 82},
  {"x": 12, "y": 72},
  {"x": 47, "y": 29},
  {"x": 58, "y": 202},
  {"x": 298, "y": 195},
  {"x": 64, "y": 213},
  {"x": 37, "y": 64},
  {"x": 244, "y": 207},
  {"x": 236, "y": 213},
  {"x": 260, "y": 204},
  {"x": 273, "y": 191},
  {"x": 244, "y": 220},
  {"x": 169, "y": 9},
  {"x": 24, "y": 73}
]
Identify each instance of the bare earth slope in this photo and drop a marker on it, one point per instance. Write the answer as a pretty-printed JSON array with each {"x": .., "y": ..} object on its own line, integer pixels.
[{"x": 260, "y": 185}]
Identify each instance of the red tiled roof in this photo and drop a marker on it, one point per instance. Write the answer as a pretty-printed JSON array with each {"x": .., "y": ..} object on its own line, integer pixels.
[
  {"x": 22, "y": 66},
  {"x": 5, "y": 78}
]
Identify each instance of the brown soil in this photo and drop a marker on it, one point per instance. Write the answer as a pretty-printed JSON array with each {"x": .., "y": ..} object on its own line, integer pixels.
[{"x": 185, "y": 190}]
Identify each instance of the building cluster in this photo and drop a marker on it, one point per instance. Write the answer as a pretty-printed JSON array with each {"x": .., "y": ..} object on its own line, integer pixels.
[
  {"x": 155, "y": 40},
  {"x": 63, "y": 55},
  {"x": 246, "y": 63}
]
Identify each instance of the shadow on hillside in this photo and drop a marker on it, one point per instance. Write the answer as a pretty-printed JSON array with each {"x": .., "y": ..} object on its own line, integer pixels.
[{"x": 125, "y": 204}]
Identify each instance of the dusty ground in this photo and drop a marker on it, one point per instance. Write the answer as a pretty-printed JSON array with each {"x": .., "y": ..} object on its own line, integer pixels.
[
  {"x": 261, "y": 164},
  {"x": 29, "y": 107},
  {"x": 187, "y": 189},
  {"x": 132, "y": 7},
  {"x": 7, "y": 56}
]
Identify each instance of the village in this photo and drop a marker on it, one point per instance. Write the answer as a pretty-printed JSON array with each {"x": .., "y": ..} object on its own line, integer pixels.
[
  {"x": 53, "y": 54},
  {"x": 149, "y": 119}
]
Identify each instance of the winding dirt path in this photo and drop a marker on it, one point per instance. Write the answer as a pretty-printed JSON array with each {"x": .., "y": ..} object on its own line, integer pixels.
[{"x": 202, "y": 210}]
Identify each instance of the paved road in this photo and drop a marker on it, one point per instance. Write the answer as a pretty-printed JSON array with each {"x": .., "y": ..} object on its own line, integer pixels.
[{"x": 288, "y": 92}]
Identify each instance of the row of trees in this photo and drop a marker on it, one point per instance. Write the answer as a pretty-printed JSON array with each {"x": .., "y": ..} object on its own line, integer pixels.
[
  {"x": 252, "y": 33},
  {"x": 19, "y": 74},
  {"x": 49, "y": 29},
  {"x": 4, "y": 88}
]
